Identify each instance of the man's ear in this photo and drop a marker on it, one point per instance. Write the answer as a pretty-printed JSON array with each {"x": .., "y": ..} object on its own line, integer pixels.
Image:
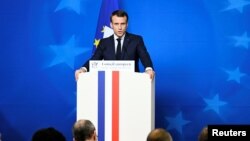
[
  {"x": 95, "y": 136},
  {"x": 111, "y": 25}
]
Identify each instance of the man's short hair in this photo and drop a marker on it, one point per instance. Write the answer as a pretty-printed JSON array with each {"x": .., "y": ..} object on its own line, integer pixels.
[
  {"x": 48, "y": 134},
  {"x": 119, "y": 13},
  {"x": 83, "y": 130},
  {"x": 159, "y": 134},
  {"x": 203, "y": 136}
]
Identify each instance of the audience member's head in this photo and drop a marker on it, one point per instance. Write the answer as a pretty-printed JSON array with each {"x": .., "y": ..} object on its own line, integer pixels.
[
  {"x": 84, "y": 130},
  {"x": 203, "y": 136},
  {"x": 159, "y": 134},
  {"x": 48, "y": 134}
]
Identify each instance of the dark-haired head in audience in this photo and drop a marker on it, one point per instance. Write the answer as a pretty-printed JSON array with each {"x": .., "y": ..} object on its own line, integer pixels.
[
  {"x": 48, "y": 134},
  {"x": 203, "y": 136},
  {"x": 159, "y": 134},
  {"x": 84, "y": 130}
]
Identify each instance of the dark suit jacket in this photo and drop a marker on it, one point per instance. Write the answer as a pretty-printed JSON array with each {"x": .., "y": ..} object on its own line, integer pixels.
[{"x": 133, "y": 49}]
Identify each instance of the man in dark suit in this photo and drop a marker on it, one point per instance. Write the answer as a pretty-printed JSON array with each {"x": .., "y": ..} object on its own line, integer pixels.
[{"x": 121, "y": 46}]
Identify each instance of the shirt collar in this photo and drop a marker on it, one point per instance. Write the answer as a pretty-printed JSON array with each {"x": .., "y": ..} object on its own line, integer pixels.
[{"x": 122, "y": 38}]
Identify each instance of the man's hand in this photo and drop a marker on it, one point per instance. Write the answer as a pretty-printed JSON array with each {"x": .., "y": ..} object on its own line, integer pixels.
[
  {"x": 151, "y": 73},
  {"x": 77, "y": 72}
]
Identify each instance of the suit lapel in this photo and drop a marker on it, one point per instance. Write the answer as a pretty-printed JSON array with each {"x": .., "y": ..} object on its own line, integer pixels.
[
  {"x": 112, "y": 44},
  {"x": 124, "y": 46}
]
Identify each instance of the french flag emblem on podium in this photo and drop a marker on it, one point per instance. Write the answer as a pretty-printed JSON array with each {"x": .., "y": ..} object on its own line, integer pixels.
[{"x": 120, "y": 104}]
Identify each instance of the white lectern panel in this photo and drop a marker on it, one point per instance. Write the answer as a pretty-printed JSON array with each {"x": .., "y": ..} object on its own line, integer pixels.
[
  {"x": 87, "y": 102},
  {"x": 136, "y": 106}
]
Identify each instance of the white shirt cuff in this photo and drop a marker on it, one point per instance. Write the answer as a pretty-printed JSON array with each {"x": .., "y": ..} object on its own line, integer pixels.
[{"x": 148, "y": 68}]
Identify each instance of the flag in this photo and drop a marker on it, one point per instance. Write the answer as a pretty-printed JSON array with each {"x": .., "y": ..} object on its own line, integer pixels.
[{"x": 103, "y": 26}]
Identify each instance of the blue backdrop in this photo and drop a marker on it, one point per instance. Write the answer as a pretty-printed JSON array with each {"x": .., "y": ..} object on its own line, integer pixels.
[{"x": 200, "y": 50}]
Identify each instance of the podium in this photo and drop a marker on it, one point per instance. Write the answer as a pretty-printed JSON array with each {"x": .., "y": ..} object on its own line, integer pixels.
[{"x": 120, "y": 104}]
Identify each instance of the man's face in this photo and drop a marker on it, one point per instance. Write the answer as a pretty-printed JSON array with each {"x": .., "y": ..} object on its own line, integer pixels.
[{"x": 119, "y": 25}]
